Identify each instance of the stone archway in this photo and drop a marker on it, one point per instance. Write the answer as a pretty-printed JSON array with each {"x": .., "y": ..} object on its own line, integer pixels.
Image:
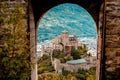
[
  {"x": 108, "y": 43},
  {"x": 37, "y": 9}
]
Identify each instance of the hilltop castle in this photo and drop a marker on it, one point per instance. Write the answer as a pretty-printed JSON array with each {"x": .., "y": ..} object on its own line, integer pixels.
[{"x": 64, "y": 42}]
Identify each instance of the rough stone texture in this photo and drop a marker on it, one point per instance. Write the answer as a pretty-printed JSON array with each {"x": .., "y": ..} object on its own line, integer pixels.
[
  {"x": 6, "y": 8},
  {"x": 112, "y": 37},
  {"x": 112, "y": 40},
  {"x": 29, "y": 26}
]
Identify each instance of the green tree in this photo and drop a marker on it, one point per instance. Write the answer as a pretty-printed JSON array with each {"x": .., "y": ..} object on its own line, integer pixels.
[
  {"x": 44, "y": 64},
  {"x": 71, "y": 77},
  {"x": 91, "y": 77},
  {"x": 75, "y": 54}
]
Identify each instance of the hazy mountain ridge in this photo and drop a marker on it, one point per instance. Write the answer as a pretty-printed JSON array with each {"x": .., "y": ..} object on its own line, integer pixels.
[{"x": 69, "y": 17}]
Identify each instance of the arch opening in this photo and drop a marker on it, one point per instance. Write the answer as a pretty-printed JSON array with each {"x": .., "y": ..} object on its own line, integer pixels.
[
  {"x": 73, "y": 27},
  {"x": 38, "y": 8}
]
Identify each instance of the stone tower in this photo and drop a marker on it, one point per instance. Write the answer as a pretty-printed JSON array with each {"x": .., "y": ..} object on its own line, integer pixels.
[{"x": 65, "y": 38}]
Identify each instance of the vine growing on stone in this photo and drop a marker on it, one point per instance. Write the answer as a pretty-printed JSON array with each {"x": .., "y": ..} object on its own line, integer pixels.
[{"x": 14, "y": 43}]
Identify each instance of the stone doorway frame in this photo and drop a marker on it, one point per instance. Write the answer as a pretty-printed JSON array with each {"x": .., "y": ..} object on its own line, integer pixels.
[{"x": 100, "y": 22}]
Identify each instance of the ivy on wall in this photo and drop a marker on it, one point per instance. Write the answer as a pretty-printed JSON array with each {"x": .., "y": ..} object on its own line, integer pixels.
[{"x": 14, "y": 45}]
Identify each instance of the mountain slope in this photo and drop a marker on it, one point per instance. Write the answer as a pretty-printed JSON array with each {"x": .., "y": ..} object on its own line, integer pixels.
[{"x": 70, "y": 17}]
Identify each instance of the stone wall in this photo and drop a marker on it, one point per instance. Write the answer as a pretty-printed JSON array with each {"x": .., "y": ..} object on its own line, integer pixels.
[
  {"x": 72, "y": 67},
  {"x": 112, "y": 40},
  {"x": 6, "y": 9}
]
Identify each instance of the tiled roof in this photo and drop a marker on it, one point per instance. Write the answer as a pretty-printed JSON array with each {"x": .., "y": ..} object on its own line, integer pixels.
[{"x": 78, "y": 61}]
